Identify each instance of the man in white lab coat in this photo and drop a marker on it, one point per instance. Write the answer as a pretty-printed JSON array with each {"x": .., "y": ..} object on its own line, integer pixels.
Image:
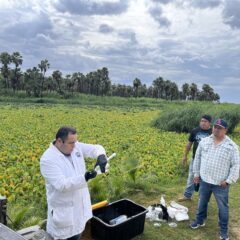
[{"x": 63, "y": 168}]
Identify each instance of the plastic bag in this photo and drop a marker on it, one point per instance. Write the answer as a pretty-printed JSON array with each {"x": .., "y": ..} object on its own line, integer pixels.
[
  {"x": 154, "y": 213},
  {"x": 177, "y": 211}
]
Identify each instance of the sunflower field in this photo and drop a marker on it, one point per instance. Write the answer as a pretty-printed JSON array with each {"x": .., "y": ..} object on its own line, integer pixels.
[
  {"x": 146, "y": 157},
  {"x": 27, "y": 130}
]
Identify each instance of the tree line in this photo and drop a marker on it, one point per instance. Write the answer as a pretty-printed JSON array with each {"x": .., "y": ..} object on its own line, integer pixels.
[{"x": 35, "y": 82}]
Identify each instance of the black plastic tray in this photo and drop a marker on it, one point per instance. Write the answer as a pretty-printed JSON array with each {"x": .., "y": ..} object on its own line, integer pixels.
[{"x": 134, "y": 225}]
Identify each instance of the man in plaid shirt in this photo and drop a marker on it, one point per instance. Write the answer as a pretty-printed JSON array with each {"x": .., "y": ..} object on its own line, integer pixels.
[{"x": 217, "y": 164}]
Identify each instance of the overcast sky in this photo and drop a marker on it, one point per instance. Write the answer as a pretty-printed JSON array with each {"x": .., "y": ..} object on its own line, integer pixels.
[{"x": 180, "y": 40}]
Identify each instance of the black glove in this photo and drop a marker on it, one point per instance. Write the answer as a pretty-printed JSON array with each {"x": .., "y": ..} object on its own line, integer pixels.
[
  {"x": 90, "y": 174},
  {"x": 101, "y": 162}
]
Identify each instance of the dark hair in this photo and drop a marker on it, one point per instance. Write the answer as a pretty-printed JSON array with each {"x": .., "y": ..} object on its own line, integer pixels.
[
  {"x": 64, "y": 131},
  {"x": 207, "y": 117}
]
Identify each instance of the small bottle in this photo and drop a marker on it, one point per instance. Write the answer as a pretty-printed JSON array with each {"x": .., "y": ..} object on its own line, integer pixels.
[
  {"x": 118, "y": 220},
  {"x": 196, "y": 187}
]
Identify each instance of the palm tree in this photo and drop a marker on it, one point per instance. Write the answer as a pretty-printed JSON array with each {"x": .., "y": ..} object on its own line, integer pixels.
[
  {"x": 57, "y": 76},
  {"x": 167, "y": 89},
  {"x": 90, "y": 79},
  {"x": 208, "y": 92},
  {"x": 97, "y": 81},
  {"x": 32, "y": 81},
  {"x": 105, "y": 81},
  {"x": 43, "y": 66},
  {"x": 17, "y": 61},
  {"x": 70, "y": 83},
  {"x": 193, "y": 91},
  {"x": 185, "y": 90},
  {"x": 80, "y": 80},
  {"x": 174, "y": 93},
  {"x": 150, "y": 91},
  {"x": 136, "y": 85},
  {"x": 50, "y": 84},
  {"x": 158, "y": 87},
  {"x": 216, "y": 97},
  {"x": 5, "y": 59}
]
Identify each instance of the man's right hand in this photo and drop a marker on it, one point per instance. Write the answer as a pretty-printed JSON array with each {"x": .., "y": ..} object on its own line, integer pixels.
[
  {"x": 196, "y": 180},
  {"x": 90, "y": 174}
]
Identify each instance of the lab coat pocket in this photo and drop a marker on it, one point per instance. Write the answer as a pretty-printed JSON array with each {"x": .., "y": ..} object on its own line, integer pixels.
[
  {"x": 63, "y": 216},
  {"x": 86, "y": 203}
]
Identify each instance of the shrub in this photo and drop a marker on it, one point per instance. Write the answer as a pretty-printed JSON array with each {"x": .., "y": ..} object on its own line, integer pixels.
[
  {"x": 98, "y": 189},
  {"x": 131, "y": 167},
  {"x": 21, "y": 217}
]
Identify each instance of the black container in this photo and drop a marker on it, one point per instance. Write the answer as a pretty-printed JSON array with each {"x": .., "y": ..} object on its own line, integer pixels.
[
  {"x": 3, "y": 210},
  {"x": 134, "y": 225}
]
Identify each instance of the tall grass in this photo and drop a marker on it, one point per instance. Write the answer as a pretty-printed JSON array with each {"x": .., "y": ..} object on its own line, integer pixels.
[
  {"x": 87, "y": 100},
  {"x": 185, "y": 118}
]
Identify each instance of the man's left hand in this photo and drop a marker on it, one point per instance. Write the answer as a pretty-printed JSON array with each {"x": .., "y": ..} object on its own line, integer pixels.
[
  {"x": 224, "y": 184},
  {"x": 101, "y": 162}
]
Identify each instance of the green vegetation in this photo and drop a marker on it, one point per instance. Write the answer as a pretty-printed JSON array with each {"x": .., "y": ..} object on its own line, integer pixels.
[
  {"x": 186, "y": 118},
  {"x": 147, "y": 165},
  {"x": 35, "y": 83},
  {"x": 85, "y": 100}
]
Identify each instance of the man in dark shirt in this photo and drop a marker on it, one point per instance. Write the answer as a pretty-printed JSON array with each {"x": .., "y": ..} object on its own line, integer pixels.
[{"x": 204, "y": 130}]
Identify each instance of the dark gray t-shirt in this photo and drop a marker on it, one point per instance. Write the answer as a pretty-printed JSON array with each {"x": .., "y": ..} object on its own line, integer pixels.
[{"x": 196, "y": 136}]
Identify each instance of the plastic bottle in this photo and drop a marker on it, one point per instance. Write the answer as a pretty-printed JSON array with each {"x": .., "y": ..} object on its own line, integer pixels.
[
  {"x": 118, "y": 220},
  {"x": 196, "y": 187}
]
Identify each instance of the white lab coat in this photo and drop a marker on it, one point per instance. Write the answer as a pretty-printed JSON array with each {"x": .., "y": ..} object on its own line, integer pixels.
[{"x": 69, "y": 204}]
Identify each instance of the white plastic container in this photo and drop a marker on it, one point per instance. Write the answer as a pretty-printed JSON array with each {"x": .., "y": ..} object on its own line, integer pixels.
[{"x": 118, "y": 220}]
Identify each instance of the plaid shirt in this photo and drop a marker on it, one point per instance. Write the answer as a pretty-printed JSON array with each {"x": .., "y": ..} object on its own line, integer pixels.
[{"x": 216, "y": 163}]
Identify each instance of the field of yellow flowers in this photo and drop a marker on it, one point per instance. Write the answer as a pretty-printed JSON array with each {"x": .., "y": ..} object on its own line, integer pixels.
[{"x": 27, "y": 130}]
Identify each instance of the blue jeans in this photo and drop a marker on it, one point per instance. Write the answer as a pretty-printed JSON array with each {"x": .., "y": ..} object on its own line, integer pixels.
[
  {"x": 221, "y": 196},
  {"x": 190, "y": 185}
]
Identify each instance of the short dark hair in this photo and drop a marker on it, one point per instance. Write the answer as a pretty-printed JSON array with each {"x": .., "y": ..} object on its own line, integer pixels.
[
  {"x": 64, "y": 131},
  {"x": 207, "y": 117}
]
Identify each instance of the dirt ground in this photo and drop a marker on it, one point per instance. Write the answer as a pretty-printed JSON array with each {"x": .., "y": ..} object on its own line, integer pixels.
[
  {"x": 87, "y": 232},
  {"x": 236, "y": 230}
]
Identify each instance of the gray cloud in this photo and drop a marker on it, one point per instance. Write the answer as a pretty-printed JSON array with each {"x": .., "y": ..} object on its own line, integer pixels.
[
  {"x": 130, "y": 35},
  {"x": 83, "y": 7},
  {"x": 202, "y": 4},
  {"x": 163, "y": 1},
  {"x": 31, "y": 36},
  {"x": 156, "y": 13},
  {"x": 104, "y": 28},
  {"x": 29, "y": 29},
  {"x": 70, "y": 42},
  {"x": 231, "y": 13}
]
